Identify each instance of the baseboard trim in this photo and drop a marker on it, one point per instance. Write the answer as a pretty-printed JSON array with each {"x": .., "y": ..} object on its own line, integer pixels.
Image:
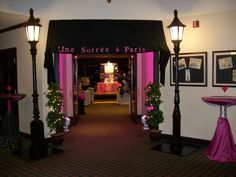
[
  {"x": 187, "y": 140},
  {"x": 27, "y": 136}
]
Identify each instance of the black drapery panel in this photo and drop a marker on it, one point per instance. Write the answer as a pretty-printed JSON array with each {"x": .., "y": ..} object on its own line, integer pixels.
[
  {"x": 48, "y": 63},
  {"x": 52, "y": 65},
  {"x": 105, "y": 37}
]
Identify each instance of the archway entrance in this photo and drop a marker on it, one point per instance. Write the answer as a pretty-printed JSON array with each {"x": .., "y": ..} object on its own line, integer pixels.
[
  {"x": 140, "y": 38},
  {"x": 98, "y": 85},
  {"x": 140, "y": 70}
]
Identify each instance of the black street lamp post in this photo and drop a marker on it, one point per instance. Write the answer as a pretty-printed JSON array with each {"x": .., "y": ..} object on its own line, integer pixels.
[
  {"x": 37, "y": 148},
  {"x": 176, "y": 32}
]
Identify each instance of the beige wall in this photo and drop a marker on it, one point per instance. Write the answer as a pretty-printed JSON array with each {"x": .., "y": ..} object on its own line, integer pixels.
[
  {"x": 17, "y": 38},
  {"x": 216, "y": 32}
]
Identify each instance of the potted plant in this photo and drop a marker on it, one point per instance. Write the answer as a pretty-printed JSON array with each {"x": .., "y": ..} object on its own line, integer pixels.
[
  {"x": 154, "y": 115},
  {"x": 55, "y": 117}
]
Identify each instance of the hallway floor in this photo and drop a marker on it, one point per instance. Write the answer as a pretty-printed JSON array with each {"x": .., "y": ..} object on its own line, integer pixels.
[{"x": 107, "y": 143}]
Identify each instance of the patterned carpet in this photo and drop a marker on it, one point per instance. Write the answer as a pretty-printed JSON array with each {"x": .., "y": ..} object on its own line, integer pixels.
[{"x": 106, "y": 143}]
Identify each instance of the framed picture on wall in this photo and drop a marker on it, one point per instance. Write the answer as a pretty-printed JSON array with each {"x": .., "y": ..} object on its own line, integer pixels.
[
  {"x": 192, "y": 69},
  {"x": 224, "y": 68}
]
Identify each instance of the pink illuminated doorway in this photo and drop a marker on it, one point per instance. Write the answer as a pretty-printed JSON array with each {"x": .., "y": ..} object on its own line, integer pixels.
[
  {"x": 142, "y": 71},
  {"x": 144, "y": 74},
  {"x": 66, "y": 72}
]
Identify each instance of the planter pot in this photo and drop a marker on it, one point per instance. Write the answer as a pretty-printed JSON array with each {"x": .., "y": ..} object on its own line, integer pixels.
[
  {"x": 58, "y": 138},
  {"x": 155, "y": 134}
]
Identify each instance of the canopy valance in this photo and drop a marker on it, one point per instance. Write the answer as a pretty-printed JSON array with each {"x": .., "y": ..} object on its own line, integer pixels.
[{"x": 105, "y": 37}]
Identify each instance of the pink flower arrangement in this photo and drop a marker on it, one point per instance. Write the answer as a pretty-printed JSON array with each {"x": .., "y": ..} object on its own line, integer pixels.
[{"x": 150, "y": 108}]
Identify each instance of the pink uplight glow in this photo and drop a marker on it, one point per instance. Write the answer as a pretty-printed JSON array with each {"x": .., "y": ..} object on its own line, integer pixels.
[
  {"x": 62, "y": 58},
  {"x": 149, "y": 67},
  {"x": 145, "y": 74}
]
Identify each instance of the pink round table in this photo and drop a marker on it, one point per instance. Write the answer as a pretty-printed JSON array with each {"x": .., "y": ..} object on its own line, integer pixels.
[
  {"x": 11, "y": 97},
  {"x": 11, "y": 133},
  {"x": 222, "y": 147}
]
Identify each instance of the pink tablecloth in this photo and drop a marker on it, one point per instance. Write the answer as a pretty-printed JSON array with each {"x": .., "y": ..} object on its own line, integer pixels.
[
  {"x": 11, "y": 97},
  {"x": 222, "y": 147},
  {"x": 107, "y": 87},
  {"x": 220, "y": 100}
]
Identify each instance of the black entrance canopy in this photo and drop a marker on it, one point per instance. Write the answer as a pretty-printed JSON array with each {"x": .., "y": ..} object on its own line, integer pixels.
[{"x": 105, "y": 37}]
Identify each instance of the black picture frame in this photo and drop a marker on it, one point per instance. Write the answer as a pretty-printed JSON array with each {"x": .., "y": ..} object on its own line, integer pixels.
[
  {"x": 192, "y": 69},
  {"x": 224, "y": 68}
]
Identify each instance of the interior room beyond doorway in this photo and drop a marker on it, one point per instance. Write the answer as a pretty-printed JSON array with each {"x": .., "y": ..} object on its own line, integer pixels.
[{"x": 103, "y": 78}]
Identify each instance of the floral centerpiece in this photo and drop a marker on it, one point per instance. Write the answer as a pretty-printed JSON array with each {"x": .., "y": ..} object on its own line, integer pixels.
[{"x": 153, "y": 100}]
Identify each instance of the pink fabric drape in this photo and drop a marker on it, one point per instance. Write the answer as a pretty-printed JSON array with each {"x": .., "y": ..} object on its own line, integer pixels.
[
  {"x": 220, "y": 100},
  {"x": 222, "y": 147}
]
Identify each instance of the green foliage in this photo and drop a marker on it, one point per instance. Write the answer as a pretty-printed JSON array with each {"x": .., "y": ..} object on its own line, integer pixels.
[
  {"x": 55, "y": 117},
  {"x": 152, "y": 103}
]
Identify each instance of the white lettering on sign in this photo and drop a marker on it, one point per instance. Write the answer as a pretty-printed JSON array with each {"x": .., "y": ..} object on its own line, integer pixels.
[
  {"x": 101, "y": 50},
  {"x": 128, "y": 49},
  {"x": 63, "y": 49},
  {"x": 94, "y": 50}
]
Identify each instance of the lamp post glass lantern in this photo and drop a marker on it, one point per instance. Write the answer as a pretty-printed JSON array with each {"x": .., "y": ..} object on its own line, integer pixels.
[
  {"x": 32, "y": 28},
  {"x": 176, "y": 29},
  {"x": 37, "y": 148}
]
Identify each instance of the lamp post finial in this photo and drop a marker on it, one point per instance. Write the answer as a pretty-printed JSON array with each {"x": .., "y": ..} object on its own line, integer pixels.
[
  {"x": 31, "y": 11},
  {"x": 175, "y": 13}
]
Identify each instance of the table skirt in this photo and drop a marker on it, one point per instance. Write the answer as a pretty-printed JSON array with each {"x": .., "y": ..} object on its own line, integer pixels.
[{"x": 222, "y": 147}]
